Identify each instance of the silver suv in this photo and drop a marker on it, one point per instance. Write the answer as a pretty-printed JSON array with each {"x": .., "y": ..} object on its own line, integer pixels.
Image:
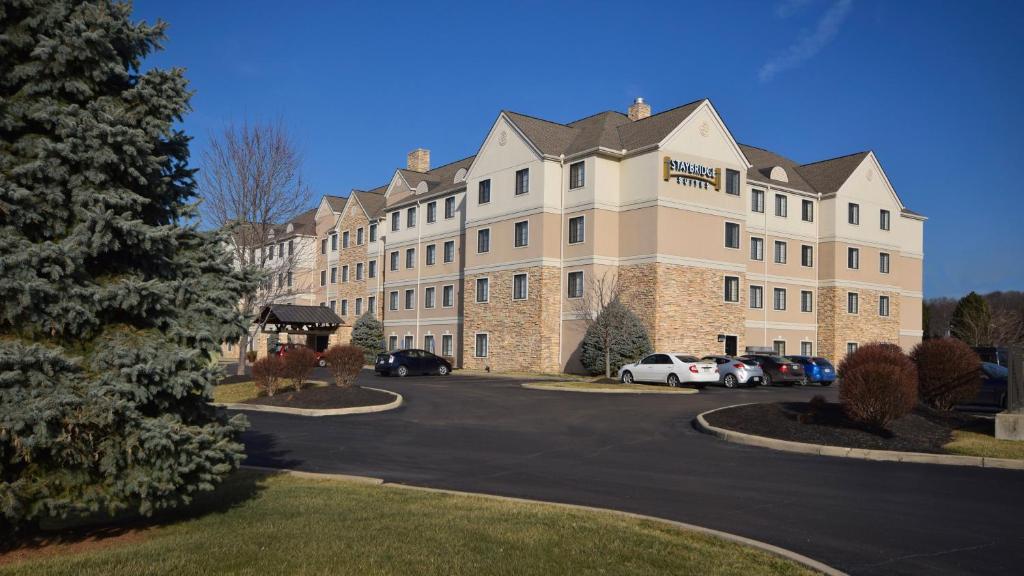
[{"x": 733, "y": 372}]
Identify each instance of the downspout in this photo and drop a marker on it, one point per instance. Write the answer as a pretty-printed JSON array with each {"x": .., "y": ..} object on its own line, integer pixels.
[
  {"x": 764, "y": 258},
  {"x": 419, "y": 271},
  {"x": 817, "y": 275},
  {"x": 561, "y": 254}
]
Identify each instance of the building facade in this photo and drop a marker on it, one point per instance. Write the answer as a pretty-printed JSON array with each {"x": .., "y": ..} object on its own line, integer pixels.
[{"x": 717, "y": 246}]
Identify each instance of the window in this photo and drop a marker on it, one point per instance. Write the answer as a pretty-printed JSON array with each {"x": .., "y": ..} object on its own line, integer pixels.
[
  {"x": 334, "y": 242},
  {"x": 373, "y": 232},
  {"x": 334, "y": 274},
  {"x": 393, "y": 300},
  {"x": 359, "y": 236},
  {"x": 431, "y": 254},
  {"x": 522, "y": 181},
  {"x": 732, "y": 235},
  {"x": 428, "y": 343},
  {"x": 344, "y": 273},
  {"x": 410, "y": 257},
  {"x": 359, "y": 271},
  {"x": 449, "y": 207},
  {"x": 851, "y": 347},
  {"x": 448, "y": 296},
  {"x": 522, "y": 232},
  {"x": 852, "y": 303},
  {"x": 483, "y": 290},
  {"x": 280, "y": 280},
  {"x": 291, "y": 248},
  {"x": 333, "y": 305},
  {"x": 480, "y": 349},
  {"x": 806, "y": 301},
  {"x": 732, "y": 182},
  {"x": 410, "y": 217},
  {"x": 449, "y": 251},
  {"x": 359, "y": 306},
  {"x": 323, "y": 246},
  {"x": 756, "y": 248},
  {"x": 853, "y": 258},
  {"x": 396, "y": 221},
  {"x": 407, "y": 341},
  {"x": 371, "y": 269},
  {"x": 344, "y": 307},
  {"x": 575, "y": 284},
  {"x": 280, "y": 250},
  {"x": 577, "y": 226},
  {"x": 269, "y": 251},
  {"x": 807, "y": 255},
  {"x": 323, "y": 277},
  {"x": 883, "y": 263},
  {"x": 756, "y": 297},
  {"x": 483, "y": 192},
  {"x": 781, "y": 207},
  {"x": 410, "y": 299},
  {"x": 757, "y": 201},
  {"x": 371, "y": 305},
  {"x": 883, "y": 220},
  {"x": 883, "y": 305},
  {"x": 853, "y": 213},
  {"x": 780, "y": 252},
  {"x": 290, "y": 279},
  {"x": 483, "y": 240},
  {"x": 429, "y": 297},
  {"x": 780, "y": 347},
  {"x": 446, "y": 345},
  {"x": 806, "y": 348},
  {"x": 394, "y": 261},
  {"x": 807, "y": 211},
  {"x": 519, "y": 287},
  {"x": 392, "y": 342},
  {"x": 344, "y": 239},
  {"x": 780, "y": 299},
  {"x": 732, "y": 289},
  {"x": 431, "y": 212},
  {"x": 577, "y": 175}
]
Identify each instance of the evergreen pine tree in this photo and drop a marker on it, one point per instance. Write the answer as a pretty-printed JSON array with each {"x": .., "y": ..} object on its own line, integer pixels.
[
  {"x": 972, "y": 320},
  {"x": 111, "y": 303},
  {"x": 368, "y": 334},
  {"x": 628, "y": 339}
]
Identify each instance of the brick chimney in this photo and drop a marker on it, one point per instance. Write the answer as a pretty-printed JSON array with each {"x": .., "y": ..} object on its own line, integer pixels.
[
  {"x": 639, "y": 110},
  {"x": 418, "y": 160}
]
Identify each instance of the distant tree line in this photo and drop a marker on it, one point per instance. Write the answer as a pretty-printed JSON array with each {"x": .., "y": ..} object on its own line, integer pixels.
[{"x": 993, "y": 319}]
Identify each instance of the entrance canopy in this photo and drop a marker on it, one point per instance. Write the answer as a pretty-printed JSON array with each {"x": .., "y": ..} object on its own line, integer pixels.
[{"x": 295, "y": 319}]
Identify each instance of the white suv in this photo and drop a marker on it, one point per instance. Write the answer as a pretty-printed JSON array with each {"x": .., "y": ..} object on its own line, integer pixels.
[{"x": 672, "y": 369}]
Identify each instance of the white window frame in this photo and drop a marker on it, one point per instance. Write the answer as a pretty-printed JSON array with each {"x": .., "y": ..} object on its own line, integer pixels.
[
  {"x": 432, "y": 207},
  {"x": 526, "y": 292},
  {"x": 802, "y": 251},
  {"x": 775, "y": 252},
  {"x": 888, "y": 305},
  {"x": 582, "y": 175},
  {"x": 806, "y": 293},
  {"x": 775, "y": 300},
  {"x": 760, "y": 301},
  {"x": 479, "y": 230},
  {"x": 476, "y": 290},
  {"x": 515, "y": 234},
  {"x": 449, "y": 350},
  {"x": 759, "y": 241},
  {"x": 429, "y": 302},
  {"x": 810, "y": 346},
  {"x": 848, "y": 301},
  {"x": 739, "y": 235},
  {"x": 725, "y": 289},
  {"x": 410, "y": 262},
  {"x": 757, "y": 200},
  {"x": 444, "y": 251},
  {"x": 394, "y": 301},
  {"x": 405, "y": 299},
  {"x": 452, "y": 304},
  {"x": 568, "y": 284},
  {"x": 583, "y": 234},
  {"x": 850, "y": 253},
  {"x": 430, "y": 256},
  {"x": 487, "y": 344}
]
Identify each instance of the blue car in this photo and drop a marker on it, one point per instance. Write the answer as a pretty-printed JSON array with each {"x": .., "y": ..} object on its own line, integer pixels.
[{"x": 818, "y": 370}]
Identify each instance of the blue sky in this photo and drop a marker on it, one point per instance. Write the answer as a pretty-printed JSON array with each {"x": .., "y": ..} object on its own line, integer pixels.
[{"x": 935, "y": 89}]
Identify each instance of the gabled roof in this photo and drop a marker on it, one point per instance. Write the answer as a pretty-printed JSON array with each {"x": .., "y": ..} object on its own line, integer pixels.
[
  {"x": 655, "y": 128},
  {"x": 304, "y": 223},
  {"x": 827, "y": 176},
  {"x": 764, "y": 160},
  {"x": 371, "y": 200},
  {"x": 440, "y": 181},
  {"x": 337, "y": 203}
]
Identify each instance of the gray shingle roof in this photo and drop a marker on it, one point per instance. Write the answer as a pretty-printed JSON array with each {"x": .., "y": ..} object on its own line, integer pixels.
[
  {"x": 764, "y": 160},
  {"x": 440, "y": 181},
  {"x": 372, "y": 200},
  {"x": 336, "y": 203},
  {"x": 655, "y": 128},
  {"x": 295, "y": 314},
  {"x": 827, "y": 176}
]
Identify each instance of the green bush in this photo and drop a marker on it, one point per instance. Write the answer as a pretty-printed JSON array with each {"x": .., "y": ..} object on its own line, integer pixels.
[
  {"x": 948, "y": 372},
  {"x": 878, "y": 384},
  {"x": 626, "y": 337},
  {"x": 368, "y": 334}
]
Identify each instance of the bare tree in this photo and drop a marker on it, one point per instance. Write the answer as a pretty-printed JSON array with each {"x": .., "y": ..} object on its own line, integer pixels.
[
  {"x": 250, "y": 181},
  {"x": 596, "y": 310}
]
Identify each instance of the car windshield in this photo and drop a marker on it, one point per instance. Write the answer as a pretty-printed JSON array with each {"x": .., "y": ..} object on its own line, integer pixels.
[
  {"x": 822, "y": 361},
  {"x": 747, "y": 361},
  {"x": 687, "y": 358},
  {"x": 783, "y": 360},
  {"x": 994, "y": 370}
]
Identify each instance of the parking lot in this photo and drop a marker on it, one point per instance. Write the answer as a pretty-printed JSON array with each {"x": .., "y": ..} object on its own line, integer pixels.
[{"x": 641, "y": 454}]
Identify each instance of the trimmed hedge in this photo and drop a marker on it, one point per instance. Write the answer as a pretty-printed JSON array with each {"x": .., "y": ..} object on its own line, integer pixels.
[
  {"x": 879, "y": 385},
  {"x": 948, "y": 371}
]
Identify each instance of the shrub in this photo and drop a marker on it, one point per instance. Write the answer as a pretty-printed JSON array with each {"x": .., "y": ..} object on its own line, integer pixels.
[
  {"x": 878, "y": 384},
  {"x": 627, "y": 339},
  {"x": 267, "y": 373},
  {"x": 368, "y": 334},
  {"x": 298, "y": 365},
  {"x": 344, "y": 363},
  {"x": 948, "y": 372}
]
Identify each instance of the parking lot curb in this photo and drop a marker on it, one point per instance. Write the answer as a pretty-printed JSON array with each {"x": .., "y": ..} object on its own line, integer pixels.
[
  {"x": 550, "y": 386},
  {"x": 313, "y": 412},
  {"x": 729, "y": 537},
  {"x": 855, "y": 453}
]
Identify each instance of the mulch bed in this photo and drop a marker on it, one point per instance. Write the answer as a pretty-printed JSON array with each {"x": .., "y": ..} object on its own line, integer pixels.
[
  {"x": 923, "y": 430},
  {"x": 325, "y": 397}
]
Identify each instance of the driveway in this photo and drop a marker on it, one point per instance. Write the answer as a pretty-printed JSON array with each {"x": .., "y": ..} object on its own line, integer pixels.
[{"x": 641, "y": 454}]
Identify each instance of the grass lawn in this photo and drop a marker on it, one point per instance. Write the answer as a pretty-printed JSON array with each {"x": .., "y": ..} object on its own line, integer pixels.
[
  {"x": 281, "y": 524},
  {"x": 602, "y": 387},
  {"x": 242, "y": 391},
  {"x": 980, "y": 440}
]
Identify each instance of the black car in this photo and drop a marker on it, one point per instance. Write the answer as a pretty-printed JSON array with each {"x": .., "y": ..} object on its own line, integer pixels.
[
  {"x": 993, "y": 385},
  {"x": 778, "y": 369},
  {"x": 412, "y": 361}
]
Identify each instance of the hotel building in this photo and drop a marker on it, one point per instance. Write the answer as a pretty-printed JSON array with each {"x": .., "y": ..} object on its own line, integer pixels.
[{"x": 717, "y": 246}]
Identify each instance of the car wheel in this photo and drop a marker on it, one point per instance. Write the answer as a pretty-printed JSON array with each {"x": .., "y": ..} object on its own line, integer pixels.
[
  {"x": 673, "y": 380},
  {"x": 730, "y": 381},
  {"x": 627, "y": 377},
  {"x": 767, "y": 381},
  {"x": 826, "y": 382},
  {"x": 403, "y": 371},
  {"x": 321, "y": 363},
  {"x": 443, "y": 370}
]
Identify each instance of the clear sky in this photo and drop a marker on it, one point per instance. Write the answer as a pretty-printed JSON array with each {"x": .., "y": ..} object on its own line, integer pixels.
[{"x": 936, "y": 89}]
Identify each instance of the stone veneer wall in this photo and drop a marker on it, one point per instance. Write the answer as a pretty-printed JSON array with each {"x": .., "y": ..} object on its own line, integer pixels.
[
  {"x": 836, "y": 327},
  {"x": 684, "y": 306},
  {"x": 352, "y": 220},
  {"x": 523, "y": 334}
]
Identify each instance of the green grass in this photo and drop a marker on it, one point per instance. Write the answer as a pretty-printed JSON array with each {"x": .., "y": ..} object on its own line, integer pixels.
[
  {"x": 980, "y": 440},
  {"x": 289, "y": 525},
  {"x": 641, "y": 388},
  {"x": 242, "y": 391}
]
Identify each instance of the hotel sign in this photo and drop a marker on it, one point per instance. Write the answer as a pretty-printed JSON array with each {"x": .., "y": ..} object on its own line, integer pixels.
[{"x": 691, "y": 174}]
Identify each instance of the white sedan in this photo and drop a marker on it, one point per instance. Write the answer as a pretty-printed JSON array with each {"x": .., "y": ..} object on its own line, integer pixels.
[{"x": 672, "y": 369}]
